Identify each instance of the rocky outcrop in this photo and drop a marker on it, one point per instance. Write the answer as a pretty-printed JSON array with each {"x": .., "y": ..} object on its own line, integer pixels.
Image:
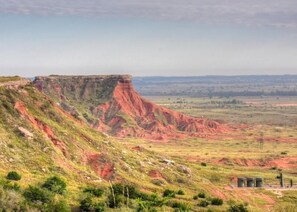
[{"x": 111, "y": 104}]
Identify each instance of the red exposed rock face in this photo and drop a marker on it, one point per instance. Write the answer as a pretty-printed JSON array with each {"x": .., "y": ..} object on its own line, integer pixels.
[
  {"x": 118, "y": 109},
  {"x": 155, "y": 174},
  {"x": 19, "y": 106},
  {"x": 148, "y": 119},
  {"x": 101, "y": 165}
]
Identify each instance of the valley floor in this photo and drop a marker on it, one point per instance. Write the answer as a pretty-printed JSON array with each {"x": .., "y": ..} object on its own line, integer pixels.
[{"x": 263, "y": 144}]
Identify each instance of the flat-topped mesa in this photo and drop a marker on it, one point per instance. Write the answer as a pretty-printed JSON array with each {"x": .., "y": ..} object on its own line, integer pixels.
[
  {"x": 111, "y": 104},
  {"x": 13, "y": 82},
  {"x": 88, "y": 77}
]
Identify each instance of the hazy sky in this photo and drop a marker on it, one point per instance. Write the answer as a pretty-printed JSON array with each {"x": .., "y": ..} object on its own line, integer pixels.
[{"x": 148, "y": 37}]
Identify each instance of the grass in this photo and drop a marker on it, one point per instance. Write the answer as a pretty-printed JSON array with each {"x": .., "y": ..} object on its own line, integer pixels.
[
  {"x": 7, "y": 79},
  {"x": 39, "y": 159}
]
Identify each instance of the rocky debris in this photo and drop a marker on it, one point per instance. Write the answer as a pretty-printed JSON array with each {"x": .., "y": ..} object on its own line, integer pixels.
[
  {"x": 167, "y": 161},
  {"x": 26, "y": 133},
  {"x": 184, "y": 169}
]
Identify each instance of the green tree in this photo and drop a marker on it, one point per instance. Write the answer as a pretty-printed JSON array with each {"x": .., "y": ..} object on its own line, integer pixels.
[{"x": 55, "y": 184}]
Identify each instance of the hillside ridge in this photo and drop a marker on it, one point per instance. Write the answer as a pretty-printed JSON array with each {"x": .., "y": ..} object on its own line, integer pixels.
[{"x": 110, "y": 104}]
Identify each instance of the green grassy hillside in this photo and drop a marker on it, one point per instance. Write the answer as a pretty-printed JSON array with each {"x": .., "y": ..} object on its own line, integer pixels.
[{"x": 51, "y": 149}]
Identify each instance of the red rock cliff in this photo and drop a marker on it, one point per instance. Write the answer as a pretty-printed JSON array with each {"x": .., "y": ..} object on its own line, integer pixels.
[{"x": 122, "y": 111}]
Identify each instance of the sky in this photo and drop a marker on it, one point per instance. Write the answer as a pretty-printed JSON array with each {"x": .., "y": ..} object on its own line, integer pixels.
[{"x": 148, "y": 37}]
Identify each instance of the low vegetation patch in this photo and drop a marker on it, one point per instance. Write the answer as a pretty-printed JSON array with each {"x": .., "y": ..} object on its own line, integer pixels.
[{"x": 13, "y": 175}]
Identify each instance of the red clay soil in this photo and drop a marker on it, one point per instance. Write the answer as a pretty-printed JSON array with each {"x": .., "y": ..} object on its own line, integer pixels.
[
  {"x": 155, "y": 174},
  {"x": 137, "y": 148},
  {"x": 101, "y": 165},
  {"x": 128, "y": 114},
  {"x": 21, "y": 108}
]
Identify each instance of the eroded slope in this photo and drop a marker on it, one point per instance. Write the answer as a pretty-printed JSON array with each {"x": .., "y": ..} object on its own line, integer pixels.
[{"x": 111, "y": 104}]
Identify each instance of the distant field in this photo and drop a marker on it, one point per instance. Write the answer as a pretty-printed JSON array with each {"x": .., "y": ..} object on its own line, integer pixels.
[
  {"x": 217, "y": 86},
  {"x": 240, "y": 153},
  {"x": 278, "y": 111}
]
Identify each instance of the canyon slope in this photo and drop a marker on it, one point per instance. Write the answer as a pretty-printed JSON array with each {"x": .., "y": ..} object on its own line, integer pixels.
[
  {"x": 38, "y": 138},
  {"x": 111, "y": 104}
]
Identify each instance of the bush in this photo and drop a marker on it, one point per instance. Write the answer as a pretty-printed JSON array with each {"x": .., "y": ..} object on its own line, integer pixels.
[
  {"x": 201, "y": 195},
  {"x": 145, "y": 206},
  {"x": 87, "y": 205},
  {"x": 180, "y": 206},
  {"x": 99, "y": 207},
  {"x": 203, "y": 203},
  {"x": 55, "y": 184},
  {"x": 61, "y": 206},
  {"x": 169, "y": 193},
  {"x": 97, "y": 192},
  {"x": 180, "y": 192},
  {"x": 37, "y": 195},
  {"x": 13, "y": 176},
  {"x": 12, "y": 201},
  {"x": 237, "y": 208},
  {"x": 116, "y": 201},
  {"x": 156, "y": 200},
  {"x": 9, "y": 186},
  {"x": 126, "y": 190},
  {"x": 216, "y": 201}
]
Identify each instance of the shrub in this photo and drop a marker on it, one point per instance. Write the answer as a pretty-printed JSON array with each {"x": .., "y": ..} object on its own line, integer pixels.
[
  {"x": 145, "y": 206},
  {"x": 237, "y": 208},
  {"x": 156, "y": 200},
  {"x": 116, "y": 201},
  {"x": 203, "y": 203},
  {"x": 180, "y": 206},
  {"x": 9, "y": 186},
  {"x": 97, "y": 192},
  {"x": 180, "y": 192},
  {"x": 169, "y": 193},
  {"x": 37, "y": 195},
  {"x": 201, "y": 195},
  {"x": 13, "y": 176},
  {"x": 86, "y": 204},
  {"x": 126, "y": 190},
  {"x": 11, "y": 201},
  {"x": 60, "y": 206},
  {"x": 55, "y": 184},
  {"x": 99, "y": 207},
  {"x": 216, "y": 201}
]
